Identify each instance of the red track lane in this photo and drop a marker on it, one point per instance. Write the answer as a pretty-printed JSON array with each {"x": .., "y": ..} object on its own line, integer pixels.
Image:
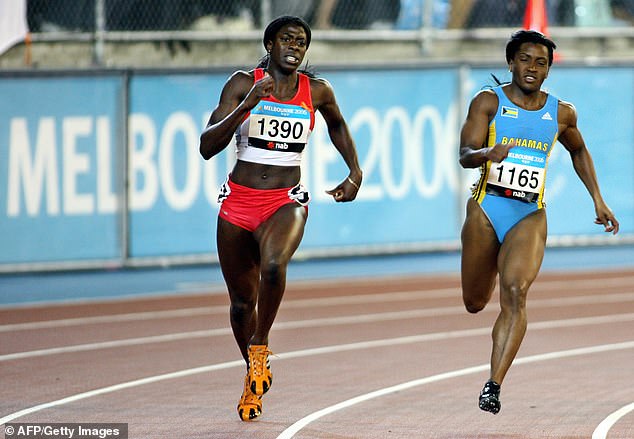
[{"x": 409, "y": 340}]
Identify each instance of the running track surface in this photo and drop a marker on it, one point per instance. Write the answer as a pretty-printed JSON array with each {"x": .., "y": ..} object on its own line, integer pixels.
[{"x": 363, "y": 356}]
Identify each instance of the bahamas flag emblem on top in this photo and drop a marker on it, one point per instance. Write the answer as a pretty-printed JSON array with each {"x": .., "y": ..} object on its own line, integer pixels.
[{"x": 509, "y": 112}]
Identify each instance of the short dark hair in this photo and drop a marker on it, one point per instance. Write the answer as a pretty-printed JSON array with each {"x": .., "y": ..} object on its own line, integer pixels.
[
  {"x": 528, "y": 36},
  {"x": 275, "y": 25}
]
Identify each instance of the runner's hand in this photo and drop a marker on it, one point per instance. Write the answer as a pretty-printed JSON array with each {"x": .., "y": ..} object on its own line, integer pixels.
[
  {"x": 346, "y": 191},
  {"x": 499, "y": 152}
]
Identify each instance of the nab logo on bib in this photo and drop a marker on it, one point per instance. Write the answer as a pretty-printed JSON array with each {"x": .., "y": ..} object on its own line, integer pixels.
[
  {"x": 277, "y": 145},
  {"x": 509, "y": 112}
]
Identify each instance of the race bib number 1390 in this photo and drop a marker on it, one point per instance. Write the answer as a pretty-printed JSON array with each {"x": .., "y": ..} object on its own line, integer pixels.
[{"x": 279, "y": 123}]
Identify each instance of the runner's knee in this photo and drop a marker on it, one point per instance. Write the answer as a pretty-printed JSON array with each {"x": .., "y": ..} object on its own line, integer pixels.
[
  {"x": 475, "y": 297},
  {"x": 475, "y": 301},
  {"x": 474, "y": 306},
  {"x": 273, "y": 272},
  {"x": 241, "y": 307},
  {"x": 513, "y": 296}
]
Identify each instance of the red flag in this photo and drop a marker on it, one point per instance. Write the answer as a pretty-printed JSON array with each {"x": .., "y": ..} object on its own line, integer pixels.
[{"x": 535, "y": 17}]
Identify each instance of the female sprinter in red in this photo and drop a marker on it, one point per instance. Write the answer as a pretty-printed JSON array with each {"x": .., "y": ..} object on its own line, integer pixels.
[
  {"x": 509, "y": 133},
  {"x": 271, "y": 112}
]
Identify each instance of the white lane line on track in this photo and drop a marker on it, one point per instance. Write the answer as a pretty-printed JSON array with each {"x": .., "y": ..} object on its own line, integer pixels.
[
  {"x": 601, "y": 432},
  {"x": 115, "y": 318},
  {"x": 395, "y": 296},
  {"x": 329, "y": 321},
  {"x": 290, "y": 431},
  {"x": 311, "y": 352},
  {"x": 121, "y": 386}
]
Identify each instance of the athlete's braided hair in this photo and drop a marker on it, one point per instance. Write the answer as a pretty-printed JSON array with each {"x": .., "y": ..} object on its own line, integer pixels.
[
  {"x": 513, "y": 45},
  {"x": 269, "y": 35},
  {"x": 528, "y": 36},
  {"x": 275, "y": 25}
]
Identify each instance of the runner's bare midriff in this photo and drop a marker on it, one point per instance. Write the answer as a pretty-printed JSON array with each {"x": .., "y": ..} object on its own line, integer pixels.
[{"x": 259, "y": 176}]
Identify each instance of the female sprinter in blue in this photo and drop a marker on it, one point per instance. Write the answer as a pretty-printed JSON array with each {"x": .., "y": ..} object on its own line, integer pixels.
[{"x": 509, "y": 133}]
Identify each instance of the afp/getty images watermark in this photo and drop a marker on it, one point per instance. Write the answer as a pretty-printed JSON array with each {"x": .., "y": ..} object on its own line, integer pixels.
[{"x": 65, "y": 431}]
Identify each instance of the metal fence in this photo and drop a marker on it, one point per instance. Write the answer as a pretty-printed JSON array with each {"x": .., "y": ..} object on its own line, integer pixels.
[
  {"x": 51, "y": 16},
  {"x": 109, "y": 28}
]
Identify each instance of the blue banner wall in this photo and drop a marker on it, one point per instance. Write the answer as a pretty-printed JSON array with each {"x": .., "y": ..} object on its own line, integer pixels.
[
  {"x": 58, "y": 176},
  {"x": 404, "y": 126},
  {"x": 62, "y": 173},
  {"x": 172, "y": 190}
]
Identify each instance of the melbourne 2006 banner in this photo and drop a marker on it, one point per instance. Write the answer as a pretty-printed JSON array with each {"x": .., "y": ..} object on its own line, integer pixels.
[{"x": 83, "y": 176}]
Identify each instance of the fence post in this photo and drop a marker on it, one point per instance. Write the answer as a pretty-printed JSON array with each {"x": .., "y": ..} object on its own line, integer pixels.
[
  {"x": 427, "y": 25},
  {"x": 100, "y": 29},
  {"x": 266, "y": 12}
]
